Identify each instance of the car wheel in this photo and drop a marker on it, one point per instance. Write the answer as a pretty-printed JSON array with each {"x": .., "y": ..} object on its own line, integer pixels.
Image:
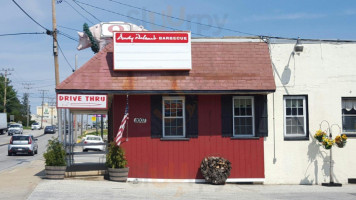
[
  {"x": 85, "y": 150},
  {"x": 9, "y": 153},
  {"x": 36, "y": 152},
  {"x": 31, "y": 153}
]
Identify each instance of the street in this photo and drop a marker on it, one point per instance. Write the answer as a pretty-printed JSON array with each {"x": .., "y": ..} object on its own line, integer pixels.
[{"x": 19, "y": 159}]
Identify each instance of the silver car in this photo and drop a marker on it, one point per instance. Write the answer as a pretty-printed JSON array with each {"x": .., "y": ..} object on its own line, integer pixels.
[{"x": 23, "y": 144}]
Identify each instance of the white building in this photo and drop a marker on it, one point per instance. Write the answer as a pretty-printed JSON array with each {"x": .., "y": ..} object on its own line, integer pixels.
[
  {"x": 314, "y": 85},
  {"x": 49, "y": 113}
]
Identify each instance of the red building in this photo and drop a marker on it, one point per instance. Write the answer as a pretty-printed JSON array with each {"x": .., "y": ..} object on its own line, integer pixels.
[{"x": 219, "y": 107}]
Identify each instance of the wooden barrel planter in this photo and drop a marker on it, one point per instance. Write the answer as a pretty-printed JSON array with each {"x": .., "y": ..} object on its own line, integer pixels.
[
  {"x": 55, "y": 172},
  {"x": 118, "y": 174}
]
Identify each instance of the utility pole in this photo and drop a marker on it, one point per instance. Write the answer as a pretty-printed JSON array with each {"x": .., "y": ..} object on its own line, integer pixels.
[
  {"x": 43, "y": 92},
  {"x": 56, "y": 67},
  {"x": 52, "y": 104},
  {"x": 55, "y": 43},
  {"x": 27, "y": 86},
  {"x": 6, "y": 73}
]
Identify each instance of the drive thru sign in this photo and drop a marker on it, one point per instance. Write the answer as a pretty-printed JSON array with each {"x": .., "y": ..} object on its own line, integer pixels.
[{"x": 82, "y": 101}]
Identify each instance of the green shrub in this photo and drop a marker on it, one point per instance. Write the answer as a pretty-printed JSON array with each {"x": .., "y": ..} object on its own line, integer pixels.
[
  {"x": 55, "y": 154},
  {"x": 115, "y": 158}
]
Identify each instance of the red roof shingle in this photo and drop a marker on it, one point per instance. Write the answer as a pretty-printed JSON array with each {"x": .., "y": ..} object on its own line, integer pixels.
[{"x": 225, "y": 66}]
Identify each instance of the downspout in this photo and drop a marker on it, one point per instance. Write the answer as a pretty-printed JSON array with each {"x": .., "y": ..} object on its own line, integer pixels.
[{"x": 273, "y": 102}]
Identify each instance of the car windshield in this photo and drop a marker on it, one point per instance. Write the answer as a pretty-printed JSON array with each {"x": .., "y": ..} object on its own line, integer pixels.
[
  {"x": 23, "y": 138},
  {"x": 49, "y": 127},
  {"x": 14, "y": 126},
  {"x": 35, "y": 124},
  {"x": 93, "y": 138}
]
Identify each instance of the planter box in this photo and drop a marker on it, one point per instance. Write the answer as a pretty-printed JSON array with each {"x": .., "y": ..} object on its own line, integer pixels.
[
  {"x": 55, "y": 172},
  {"x": 118, "y": 174}
]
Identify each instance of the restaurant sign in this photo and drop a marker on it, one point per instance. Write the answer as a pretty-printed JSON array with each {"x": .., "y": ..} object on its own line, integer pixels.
[
  {"x": 145, "y": 50},
  {"x": 82, "y": 101}
]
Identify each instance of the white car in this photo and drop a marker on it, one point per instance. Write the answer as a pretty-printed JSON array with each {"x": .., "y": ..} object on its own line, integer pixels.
[
  {"x": 35, "y": 126},
  {"x": 92, "y": 139},
  {"x": 15, "y": 129}
]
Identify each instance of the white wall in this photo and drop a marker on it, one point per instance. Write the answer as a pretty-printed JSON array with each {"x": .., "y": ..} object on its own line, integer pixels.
[{"x": 324, "y": 72}]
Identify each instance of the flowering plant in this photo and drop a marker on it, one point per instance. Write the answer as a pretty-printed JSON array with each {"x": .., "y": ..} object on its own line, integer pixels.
[
  {"x": 319, "y": 135},
  {"x": 340, "y": 140},
  {"x": 327, "y": 143}
]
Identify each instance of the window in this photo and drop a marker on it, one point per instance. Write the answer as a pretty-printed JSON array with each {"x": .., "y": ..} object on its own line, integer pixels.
[
  {"x": 295, "y": 116},
  {"x": 173, "y": 117},
  {"x": 349, "y": 115},
  {"x": 243, "y": 116}
]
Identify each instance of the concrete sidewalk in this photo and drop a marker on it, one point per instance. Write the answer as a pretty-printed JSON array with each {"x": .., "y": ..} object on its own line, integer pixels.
[
  {"x": 19, "y": 182},
  {"x": 26, "y": 182},
  {"x": 84, "y": 189}
]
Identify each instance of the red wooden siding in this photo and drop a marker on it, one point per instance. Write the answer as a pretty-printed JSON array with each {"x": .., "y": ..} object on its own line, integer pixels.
[{"x": 152, "y": 158}]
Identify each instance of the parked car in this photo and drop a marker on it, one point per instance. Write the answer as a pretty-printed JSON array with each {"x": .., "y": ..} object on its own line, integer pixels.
[
  {"x": 23, "y": 144},
  {"x": 15, "y": 129},
  {"x": 50, "y": 129},
  {"x": 92, "y": 139},
  {"x": 35, "y": 126}
]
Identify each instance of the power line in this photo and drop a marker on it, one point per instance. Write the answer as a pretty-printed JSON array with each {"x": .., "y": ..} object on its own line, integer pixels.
[
  {"x": 65, "y": 57},
  {"x": 78, "y": 12},
  {"x": 87, "y": 11},
  {"x": 67, "y": 36},
  {"x": 103, "y": 9},
  {"x": 33, "y": 80},
  {"x": 13, "y": 34},
  {"x": 184, "y": 20},
  {"x": 228, "y": 29},
  {"x": 69, "y": 28},
  {"x": 44, "y": 86},
  {"x": 29, "y": 16}
]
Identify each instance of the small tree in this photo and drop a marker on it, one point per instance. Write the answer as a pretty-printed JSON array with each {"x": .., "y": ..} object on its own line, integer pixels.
[
  {"x": 116, "y": 157},
  {"x": 55, "y": 154}
]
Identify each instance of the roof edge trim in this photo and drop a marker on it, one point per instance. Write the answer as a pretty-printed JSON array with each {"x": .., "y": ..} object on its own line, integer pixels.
[{"x": 77, "y": 91}]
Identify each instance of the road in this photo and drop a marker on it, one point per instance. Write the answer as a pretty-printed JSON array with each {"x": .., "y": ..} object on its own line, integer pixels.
[
  {"x": 14, "y": 161},
  {"x": 8, "y": 162}
]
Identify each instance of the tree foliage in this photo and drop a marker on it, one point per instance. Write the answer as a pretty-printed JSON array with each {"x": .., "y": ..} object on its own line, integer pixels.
[{"x": 13, "y": 104}]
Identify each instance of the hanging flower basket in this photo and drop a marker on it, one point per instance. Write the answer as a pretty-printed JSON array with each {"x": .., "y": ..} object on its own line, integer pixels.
[
  {"x": 327, "y": 143},
  {"x": 340, "y": 141},
  {"x": 319, "y": 135}
]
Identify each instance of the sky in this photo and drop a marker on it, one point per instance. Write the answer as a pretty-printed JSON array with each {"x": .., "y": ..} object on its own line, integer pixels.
[{"x": 31, "y": 58}]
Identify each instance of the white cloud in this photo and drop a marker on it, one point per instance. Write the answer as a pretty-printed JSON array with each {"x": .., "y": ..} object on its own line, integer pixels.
[
  {"x": 290, "y": 16},
  {"x": 349, "y": 12}
]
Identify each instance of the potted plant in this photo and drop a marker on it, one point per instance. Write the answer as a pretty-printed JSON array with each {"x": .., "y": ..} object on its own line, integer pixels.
[
  {"x": 116, "y": 163},
  {"x": 55, "y": 159}
]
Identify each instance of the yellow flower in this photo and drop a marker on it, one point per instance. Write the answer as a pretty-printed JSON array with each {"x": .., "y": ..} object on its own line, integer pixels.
[
  {"x": 344, "y": 137},
  {"x": 337, "y": 138}
]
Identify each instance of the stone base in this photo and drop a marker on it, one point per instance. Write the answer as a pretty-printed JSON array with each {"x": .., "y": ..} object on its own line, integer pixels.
[{"x": 332, "y": 184}]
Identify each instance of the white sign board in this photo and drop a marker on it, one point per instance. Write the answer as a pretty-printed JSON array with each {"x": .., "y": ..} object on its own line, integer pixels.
[
  {"x": 147, "y": 50},
  {"x": 82, "y": 101},
  {"x": 107, "y": 29}
]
